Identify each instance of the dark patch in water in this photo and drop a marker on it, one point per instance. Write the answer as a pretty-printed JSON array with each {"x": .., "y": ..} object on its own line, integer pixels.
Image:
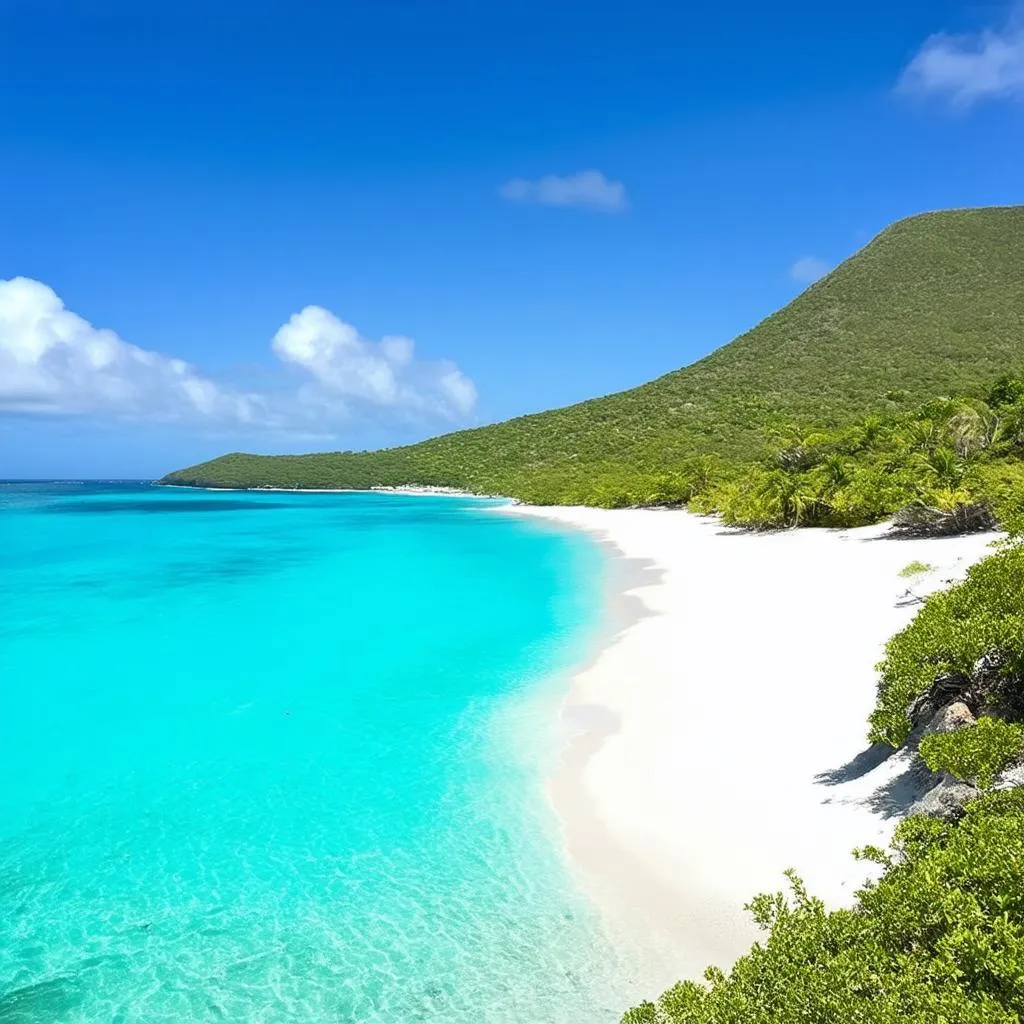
[
  {"x": 157, "y": 507},
  {"x": 43, "y": 1001},
  {"x": 232, "y": 566}
]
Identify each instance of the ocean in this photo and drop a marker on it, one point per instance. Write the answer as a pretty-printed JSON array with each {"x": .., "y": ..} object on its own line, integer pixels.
[{"x": 275, "y": 757}]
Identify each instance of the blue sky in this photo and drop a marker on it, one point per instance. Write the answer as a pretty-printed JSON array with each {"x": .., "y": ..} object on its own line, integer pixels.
[{"x": 289, "y": 227}]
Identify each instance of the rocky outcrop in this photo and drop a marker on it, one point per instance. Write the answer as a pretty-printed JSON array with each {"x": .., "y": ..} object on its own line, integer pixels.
[
  {"x": 946, "y": 799},
  {"x": 1011, "y": 778},
  {"x": 947, "y": 796},
  {"x": 989, "y": 689},
  {"x": 950, "y": 718},
  {"x": 949, "y": 688},
  {"x": 955, "y": 701}
]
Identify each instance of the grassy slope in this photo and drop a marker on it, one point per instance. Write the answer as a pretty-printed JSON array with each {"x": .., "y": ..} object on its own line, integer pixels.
[{"x": 934, "y": 305}]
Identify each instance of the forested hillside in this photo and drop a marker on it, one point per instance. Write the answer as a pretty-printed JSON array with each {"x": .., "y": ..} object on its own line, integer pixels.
[{"x": 933, "y": 306}]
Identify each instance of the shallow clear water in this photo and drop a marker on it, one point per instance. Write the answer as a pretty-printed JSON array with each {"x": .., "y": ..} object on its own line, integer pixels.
[{"x": 273, "y": 757}]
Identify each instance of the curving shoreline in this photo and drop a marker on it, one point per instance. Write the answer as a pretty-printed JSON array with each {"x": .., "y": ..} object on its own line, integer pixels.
[{"x": 718, "y": 736}]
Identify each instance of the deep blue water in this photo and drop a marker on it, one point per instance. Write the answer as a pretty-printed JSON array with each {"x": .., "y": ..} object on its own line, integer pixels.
[{"x": 279, "y": 757}]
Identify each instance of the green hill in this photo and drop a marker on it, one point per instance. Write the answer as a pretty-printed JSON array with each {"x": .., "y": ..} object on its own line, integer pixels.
[{"x": 934, "y": 305}]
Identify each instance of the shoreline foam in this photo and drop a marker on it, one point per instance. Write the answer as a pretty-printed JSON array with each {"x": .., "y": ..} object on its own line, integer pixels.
[
  {"x": 719, "y": 732},
  {"x": 420, "y": 491}
]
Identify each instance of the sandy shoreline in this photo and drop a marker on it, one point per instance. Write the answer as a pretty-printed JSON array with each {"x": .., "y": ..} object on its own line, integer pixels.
[
  {"x": 716, "y": 736},
  {"x": 425, "y": 491}
]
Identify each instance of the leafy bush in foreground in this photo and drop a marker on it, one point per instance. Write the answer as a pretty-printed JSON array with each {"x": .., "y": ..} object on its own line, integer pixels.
[
  {"x": 975, "y": 753},
  {"x": 939, "y": 939},
  {"x": 981, "y": 616}
]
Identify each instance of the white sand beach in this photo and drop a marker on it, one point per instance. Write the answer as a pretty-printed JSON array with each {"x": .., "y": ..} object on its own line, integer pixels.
[{"x": 715, "y": 738}]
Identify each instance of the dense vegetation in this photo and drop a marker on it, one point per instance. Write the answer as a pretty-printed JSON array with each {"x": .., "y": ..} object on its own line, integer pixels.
[
  {"x": 977, "y": 752},
  {"x": 980, "y": 618},
  {"x": 933, "y": 306},
  {"x": 949, "y": 466},
  {"x": 939, "y": 939}
]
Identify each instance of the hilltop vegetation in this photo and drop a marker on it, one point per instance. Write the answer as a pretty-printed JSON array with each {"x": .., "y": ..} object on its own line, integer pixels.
[{"x": 933, "y": 306}]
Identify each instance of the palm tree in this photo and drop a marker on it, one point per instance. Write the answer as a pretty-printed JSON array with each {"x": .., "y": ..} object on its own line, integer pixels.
[
  {"x": 867, "y": 434},
  {"x": 972, "y": 428},
  {"x": 922, "y": 435},
  {"x": 794, "y": 499},
  {"x": 946, "y": 466},
  {"x": 796, "y": 447}
]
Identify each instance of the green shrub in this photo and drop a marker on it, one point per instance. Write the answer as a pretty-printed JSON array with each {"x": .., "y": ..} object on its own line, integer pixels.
[
  {"x": 1007, "y": 391},
  {"x": 915, "y": 568},
  {"x": 982, "y": 615},
  {"x": 1003, "y": 482},
  {"x": 939, "y": 939},
  {"x": 977, "y": 752}
]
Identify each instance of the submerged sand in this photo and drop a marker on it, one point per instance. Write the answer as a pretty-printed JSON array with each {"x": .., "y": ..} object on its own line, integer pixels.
[{"x": 719, "y": 737}]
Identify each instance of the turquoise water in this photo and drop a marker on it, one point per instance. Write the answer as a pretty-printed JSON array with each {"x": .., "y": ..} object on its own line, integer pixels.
[{"x": 269, "y": 757}]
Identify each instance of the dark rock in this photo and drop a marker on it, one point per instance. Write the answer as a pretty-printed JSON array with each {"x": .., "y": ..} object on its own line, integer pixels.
[
  {"x": 1000, "y": 690},
  {"x": 946, "y": 799},
  {"x": 948, "y": 688},
  {"x": 988, "y": 666},
  {"x": 950, "y": 718}
]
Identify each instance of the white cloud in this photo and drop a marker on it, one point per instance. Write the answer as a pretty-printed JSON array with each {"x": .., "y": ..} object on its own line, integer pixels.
[
  {"x": 457, "y": 388},
  {"x": 52, "y": 361},
  {"x": 383, "y": 374},
  {"x": 808, "y": 269},
  {"x": 968, "y": 68},
  {"x": 590, "y": 189}
]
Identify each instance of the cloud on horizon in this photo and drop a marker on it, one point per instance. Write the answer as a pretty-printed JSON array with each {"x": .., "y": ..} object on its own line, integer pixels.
[
  {"x": 585, "y": 189},
  {"x": 53, "y": 362},
  {"x": 809, "y": 269},
  {"x": 965, "y": 69}
]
